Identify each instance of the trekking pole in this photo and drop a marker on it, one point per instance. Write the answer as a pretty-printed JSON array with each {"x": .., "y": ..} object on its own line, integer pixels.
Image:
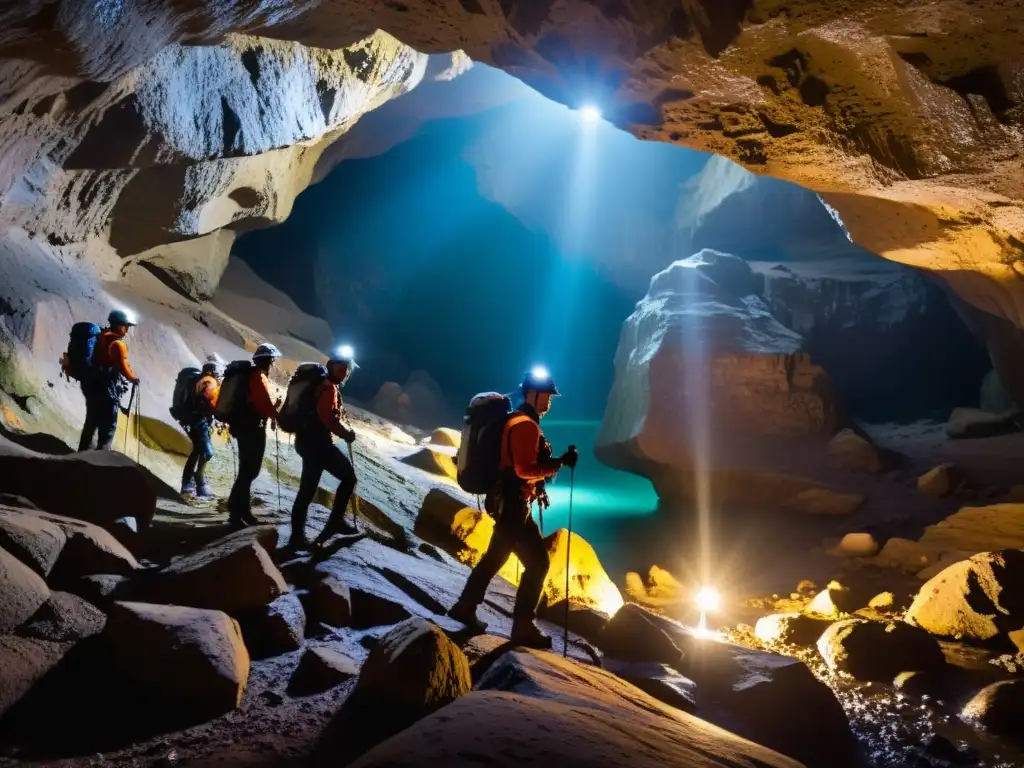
[
  {"x": 277, "y": 444},
  {"x": 128, "y": 419},
  {"x": 354, "y": 498},
  {"x": 568, "y": 548},
  {"x": 138, "y": 426}
]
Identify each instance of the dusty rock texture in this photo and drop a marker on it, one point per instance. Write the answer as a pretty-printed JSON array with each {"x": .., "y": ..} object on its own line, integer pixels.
[
  {"x": 979, "y": 598},
  {"x": 22, "y": 592},
  {"x": 707, "y": 378},
  {"x": 872, "y": 650},
  {"x": 65, "y": 618}
]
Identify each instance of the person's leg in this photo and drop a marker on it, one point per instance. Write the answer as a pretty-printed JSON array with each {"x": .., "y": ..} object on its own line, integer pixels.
[
  {"x": 205, "y": 446},
  {"x": 89, "y": 427},
  {"x": 252, "y": 443},
  {"x": 483, "y": 572},
  {"x": 529, "y": 547},
  {"x": 312, "y": 471},
  {"x": 188, "y": 474},
  {"x": 106, "y": 420},
  {"x": 335, "y": 462}
]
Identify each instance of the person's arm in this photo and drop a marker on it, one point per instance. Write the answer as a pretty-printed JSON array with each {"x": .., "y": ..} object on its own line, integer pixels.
[
  {"x": 259, "y": 393},
  {"x": 328, "y": 411},
  {"x": 525, "y": 442},
  {"x": 119, "y": 357}
]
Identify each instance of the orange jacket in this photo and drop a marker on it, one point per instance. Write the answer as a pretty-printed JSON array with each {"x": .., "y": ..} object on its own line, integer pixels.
[
  {"x": 328, "y": 408},
  {"x": 522, "y": 436},
  {"x": 208, "y": 390},
  {"x": 112, "y": 352},
  {"x": 259, "y": 395}
]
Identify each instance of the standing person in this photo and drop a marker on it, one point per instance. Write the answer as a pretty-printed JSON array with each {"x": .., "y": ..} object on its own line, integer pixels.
[
  {"x": 249, "y": 428},
  {"x": 526, "y": 462},
  {"x": 199, "y": 426},
  {"x": 107, "y": 382},
  {"x": 315, "y": 444}
]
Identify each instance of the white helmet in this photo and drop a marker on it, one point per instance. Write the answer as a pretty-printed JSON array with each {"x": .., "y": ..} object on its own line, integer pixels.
[{"x": 264, "y": 351}]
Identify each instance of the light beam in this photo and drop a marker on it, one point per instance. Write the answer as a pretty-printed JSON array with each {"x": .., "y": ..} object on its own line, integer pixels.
[{"x": 589, "y": 113}]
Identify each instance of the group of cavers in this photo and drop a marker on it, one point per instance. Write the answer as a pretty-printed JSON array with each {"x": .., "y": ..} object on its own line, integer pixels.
[{"x": 503, "y": 456}]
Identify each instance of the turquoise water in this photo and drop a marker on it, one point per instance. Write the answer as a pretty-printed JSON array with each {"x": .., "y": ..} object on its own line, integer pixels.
[{"x": 611, "y": 509}]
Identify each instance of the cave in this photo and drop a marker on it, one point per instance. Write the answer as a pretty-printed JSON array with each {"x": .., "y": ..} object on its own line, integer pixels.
[{"x": 770, "y": 255}]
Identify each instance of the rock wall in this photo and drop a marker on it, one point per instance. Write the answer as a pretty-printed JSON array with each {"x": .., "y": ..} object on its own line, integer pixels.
[
  {"x": 907, "y": 119},
  {"x": 894, "y": 346}
]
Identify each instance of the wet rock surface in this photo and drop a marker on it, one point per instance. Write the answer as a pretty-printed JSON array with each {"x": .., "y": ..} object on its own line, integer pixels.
[{"x": 871, "y": 650}]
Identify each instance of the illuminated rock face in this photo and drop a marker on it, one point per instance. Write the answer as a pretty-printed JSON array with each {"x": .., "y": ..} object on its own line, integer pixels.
[{"x": 706, "y": 377}]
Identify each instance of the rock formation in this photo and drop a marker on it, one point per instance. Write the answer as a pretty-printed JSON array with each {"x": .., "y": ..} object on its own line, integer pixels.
[{"x": 706, "y": 379}]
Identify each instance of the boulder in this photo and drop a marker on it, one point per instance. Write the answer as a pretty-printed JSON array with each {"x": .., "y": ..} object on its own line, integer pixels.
[
  {"x": 89, "y": 550},
  {"x": 790, "y": 629},
  {"x": 537, "y": 709},
  {"x": 832, "y": 602},
  {"x": 450, "y": 438},
  {"x": 657, "y": 680},
  {"x": 22, "y": 592},
  {"x": 320, "y": 669},
  {"x": 329, "y": 602},
  {"x": 436, "y": 461},
  {"x": 633, "y": 634},
  {"x": 878, "y": 651},
  {"x": 945, "y": 560},
  {"x": 126, "y": 531},
  {"x": 853, "y": 452},
  {"x": 233, "y": 574},
  {"x": 589, "y": 585},
  {"x": 25, "y": 662},
  {"x": 856, "y": 545},
  {"x": 185, "y": 657},
  {"x": 274, "y": 629},
  {"x": 905, "y": 555},
  {"x": 463, "y": 532},
  {"x": 978, "y": 599},
  {"x": 768, "y": 698},
  {"x": 100, "y": 589},
  {"x": 998, "y": 708},
  {"x": 659, "y": 590},
  {"x": 824, "y": 502},
  {"x": 33, "y": 540},
  {"x": 939, "y": 481},
  {"x": 588, "y": 623},
  {"x": 883, "y": 601},
  {"x": 975, "y": 529},
  {"x": 966, "y": 423},
  {"x": 412, "y": 671},
  {"x": 374, "y": 609},
  {"x": 695, "y": 333},
  {"x": 78, "y": 485},
  {"x": 65, "y": 618}
]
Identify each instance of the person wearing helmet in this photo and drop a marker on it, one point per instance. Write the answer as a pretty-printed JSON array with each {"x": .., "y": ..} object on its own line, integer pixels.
[
  {"x": 526, "y": 462},
  {"x": 251, "y": 434},
  {"x": 104, "y": 390},
  {"x": 315, "y": 444},
  {"x": 200, "y": 430}
]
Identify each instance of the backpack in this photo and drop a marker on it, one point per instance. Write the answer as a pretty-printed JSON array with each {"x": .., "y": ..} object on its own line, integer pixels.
[
  {"x": 233, "y": 402},
  {"x": 185, "y": 404},
  {"x": 479, "y": 455},
  {"x": 299, "y": 402},
  {"x": 77, "y": 361}
]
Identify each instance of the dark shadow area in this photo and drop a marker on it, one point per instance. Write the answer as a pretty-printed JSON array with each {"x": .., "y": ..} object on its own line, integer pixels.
[{"x": 40, "y": 442}]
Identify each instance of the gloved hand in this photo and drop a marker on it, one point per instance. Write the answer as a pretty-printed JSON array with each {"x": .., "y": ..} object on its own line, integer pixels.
[
  {"x": 570, "y": 457},
  {"x": 136, "y": 381},
  {"x": 350, "y": 436}
]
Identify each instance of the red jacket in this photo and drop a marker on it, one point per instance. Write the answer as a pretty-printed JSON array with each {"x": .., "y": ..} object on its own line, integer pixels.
[
  {"x": 520, "y": 451},
  {"x": 112, "y": 352}
]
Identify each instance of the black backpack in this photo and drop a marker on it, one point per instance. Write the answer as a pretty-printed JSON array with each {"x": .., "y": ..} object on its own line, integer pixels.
[
  {"x": 299, "y": 403},
  {"x": 185, "y": 405},
  {"x": 77, "y": 362},
  {"x": 479, "y": 456},
  {"x": 233, "y": 404}
]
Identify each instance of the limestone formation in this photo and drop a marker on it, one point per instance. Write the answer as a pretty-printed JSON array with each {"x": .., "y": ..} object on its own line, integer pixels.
[
  {"x": 853, "y": 452},
  {"x": 233, "y": 574},
  {"x": 790, "y": 629},
  {"x": 978, "y": 599},
  {"x": 22, "y": 592},
  {"x": 188, "y": 657},
  {"x": 706, "y": 377},
  {"x": 873, "y": 650},
  {"x": 589, "y": 585},
  {"x": 537, "y": 709}
]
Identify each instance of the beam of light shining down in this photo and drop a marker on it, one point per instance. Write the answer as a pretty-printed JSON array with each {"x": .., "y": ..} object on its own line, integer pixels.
[{"x": 589, "y": 113}]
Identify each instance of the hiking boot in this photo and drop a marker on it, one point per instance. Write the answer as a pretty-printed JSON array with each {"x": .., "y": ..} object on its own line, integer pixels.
[
  {"x": 299, "y": 544},
  {"x": 188, "y": 489},
  {"x": 344, "y": 528},
  {"x": 249, "y": 518},
  {"x": 237, "y": 522},
  {"x": 464, "y": 614},
  {"x": 528, "y": 634},
  {"x": 203, "y": 491}
]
